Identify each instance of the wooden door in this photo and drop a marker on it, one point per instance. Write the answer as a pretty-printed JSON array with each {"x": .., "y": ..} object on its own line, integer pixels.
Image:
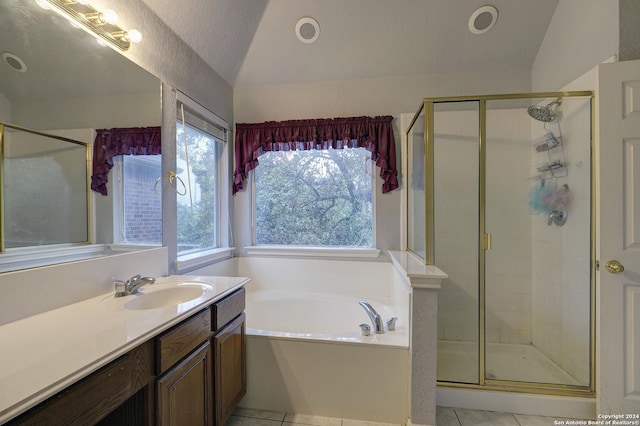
[
  {"x": 230, "y": 368},
  {"x": 184, "y": 393}
]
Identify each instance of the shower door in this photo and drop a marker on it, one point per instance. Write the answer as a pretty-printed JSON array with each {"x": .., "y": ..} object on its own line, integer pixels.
[
  {"x": 456, "y": 212},
  {"x": 538, "y": 213},
  {"x": 509, "y": 217}
]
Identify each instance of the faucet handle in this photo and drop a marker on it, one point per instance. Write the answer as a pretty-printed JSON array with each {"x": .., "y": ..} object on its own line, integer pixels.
[
  {"x": 134, "y": 279},
  {"x": 366, "y": 329},
  {"x": 391, "y": 323},
  {"x": 121, "y": 288}
]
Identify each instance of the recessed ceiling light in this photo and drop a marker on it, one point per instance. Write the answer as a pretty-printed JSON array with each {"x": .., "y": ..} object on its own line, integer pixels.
[
  {"x": 307, "y": 30},
  {"x": 14, "y": 62},
  {"x": 483, "y": 19}
]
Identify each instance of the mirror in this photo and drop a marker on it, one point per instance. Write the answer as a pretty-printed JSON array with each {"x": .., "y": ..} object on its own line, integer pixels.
[
  {"x": 57, "y": 79},
  {"x": 43, "y": 173}
]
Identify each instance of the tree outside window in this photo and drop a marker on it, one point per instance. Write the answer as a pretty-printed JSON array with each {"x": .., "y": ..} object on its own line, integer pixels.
[{"x": 315, "y": 198}]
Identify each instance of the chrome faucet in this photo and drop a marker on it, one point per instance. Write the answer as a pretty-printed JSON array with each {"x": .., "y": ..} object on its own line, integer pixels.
[
  {"x": 132, "y": 285},
  {"x": 376, "y": 319}
]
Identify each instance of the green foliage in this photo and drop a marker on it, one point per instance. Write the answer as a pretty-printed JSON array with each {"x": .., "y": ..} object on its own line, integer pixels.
[
  {"x": 197, "y": 209},
  {"x": 315, "y": 198}
]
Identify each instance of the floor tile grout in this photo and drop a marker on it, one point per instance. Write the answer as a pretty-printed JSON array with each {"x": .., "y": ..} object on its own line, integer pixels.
[{"x": 456, "y": 417}]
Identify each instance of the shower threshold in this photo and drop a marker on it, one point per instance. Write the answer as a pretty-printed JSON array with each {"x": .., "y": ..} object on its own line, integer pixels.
[{"x": 458, "y": 362}]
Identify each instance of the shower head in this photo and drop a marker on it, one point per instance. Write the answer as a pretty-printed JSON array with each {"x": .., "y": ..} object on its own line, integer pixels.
[{"x": 544, "y": 113}]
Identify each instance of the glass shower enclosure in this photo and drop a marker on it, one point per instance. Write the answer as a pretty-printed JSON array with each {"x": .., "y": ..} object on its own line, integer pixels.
[{"x": 499, "y": 196}]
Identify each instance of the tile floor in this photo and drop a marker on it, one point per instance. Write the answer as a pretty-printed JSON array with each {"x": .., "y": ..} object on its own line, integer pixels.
[{"x": 445, "y": 416}]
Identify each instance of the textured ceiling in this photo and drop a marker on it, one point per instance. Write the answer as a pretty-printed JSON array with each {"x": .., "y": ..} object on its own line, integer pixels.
[
  {"x": 220, "y": 31},
  {"x": 252, "y": 42}
]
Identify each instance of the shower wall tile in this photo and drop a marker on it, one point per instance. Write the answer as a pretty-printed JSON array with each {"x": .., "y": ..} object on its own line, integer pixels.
[
  {"x": 492, "y": 335},
  {"x": 470, "y": 334},
  {"x": 508, "y": 263},
  {"x": 561, "y": 280}
]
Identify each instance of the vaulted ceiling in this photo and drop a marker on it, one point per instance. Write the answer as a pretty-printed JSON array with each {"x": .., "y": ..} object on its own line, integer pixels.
[{"x": 253, "y": 42}]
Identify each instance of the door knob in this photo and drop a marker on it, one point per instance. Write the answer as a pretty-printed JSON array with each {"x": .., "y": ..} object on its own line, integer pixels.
[{"x": 614, "y": 266}]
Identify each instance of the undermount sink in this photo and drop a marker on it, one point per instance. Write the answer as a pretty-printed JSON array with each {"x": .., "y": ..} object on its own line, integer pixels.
[{"x": 156, "y": 296}]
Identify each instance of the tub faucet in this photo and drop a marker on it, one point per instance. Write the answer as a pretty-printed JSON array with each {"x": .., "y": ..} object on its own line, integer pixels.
[
  {"x": 376, "y": 319},
  {"x": 132, "y": 285}
]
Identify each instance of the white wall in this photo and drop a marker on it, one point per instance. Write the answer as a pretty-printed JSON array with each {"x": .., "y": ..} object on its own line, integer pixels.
[
  {"x": 388, "y": 96},
  {"x": 166, "y": 56},
  {"x": 629, "y": 30},
  {"x": 582, "y": 33},
  {"x": 5, "y": 109}
]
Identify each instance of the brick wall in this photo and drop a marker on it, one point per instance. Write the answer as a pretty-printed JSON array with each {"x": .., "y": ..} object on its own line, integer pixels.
[{"x": 143, "y": 207}]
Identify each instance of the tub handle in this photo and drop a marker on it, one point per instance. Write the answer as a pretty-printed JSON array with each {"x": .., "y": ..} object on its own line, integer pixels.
[
  {"x": 366, "y": 329},
  {"x": 391, "y": 323}
]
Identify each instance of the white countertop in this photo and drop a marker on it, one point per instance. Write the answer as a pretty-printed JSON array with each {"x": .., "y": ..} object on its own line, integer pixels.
[
  {"x": 43, "y": 354},
  {"x": 416, "y": 271}
]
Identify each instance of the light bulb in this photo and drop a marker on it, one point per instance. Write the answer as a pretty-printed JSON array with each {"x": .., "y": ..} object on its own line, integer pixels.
[
  {"x": 85, "y": 2},
  {"x": 109, "y": 16},
  {"x": 134, "y": 36}
]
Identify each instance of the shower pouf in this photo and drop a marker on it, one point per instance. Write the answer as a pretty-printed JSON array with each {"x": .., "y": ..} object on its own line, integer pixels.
[{"x": 543, "y": 199}]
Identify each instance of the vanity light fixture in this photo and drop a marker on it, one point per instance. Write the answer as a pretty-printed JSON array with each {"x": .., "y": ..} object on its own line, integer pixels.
[{"x": 100, "y": 24}]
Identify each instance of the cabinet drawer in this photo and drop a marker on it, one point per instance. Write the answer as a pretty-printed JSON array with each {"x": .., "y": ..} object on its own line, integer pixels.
[
  {"x": 178, "y": 342},
  {"x": 228, "y": 308}
]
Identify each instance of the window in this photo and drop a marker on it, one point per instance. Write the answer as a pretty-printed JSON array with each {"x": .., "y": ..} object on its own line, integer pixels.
[
  {"x": 315, "y": 198},
  {"x": 197, "y": 170},
  {"x": 139, "y": 206},
  {"x": 202, "y": 187}
]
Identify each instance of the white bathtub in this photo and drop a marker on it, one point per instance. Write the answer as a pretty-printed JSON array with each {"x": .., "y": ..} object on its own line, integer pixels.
[
  {"x": 322, "y": 317},
  {"x": 305, "y": 351}
]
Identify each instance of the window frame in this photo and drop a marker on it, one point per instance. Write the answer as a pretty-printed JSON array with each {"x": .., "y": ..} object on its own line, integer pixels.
[
  {"x": 180, "y": 264},
  {"x": 313, "y": 251}
]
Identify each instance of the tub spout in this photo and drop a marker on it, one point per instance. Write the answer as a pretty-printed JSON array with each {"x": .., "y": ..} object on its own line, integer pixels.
[{"x": 375, "y": 317}]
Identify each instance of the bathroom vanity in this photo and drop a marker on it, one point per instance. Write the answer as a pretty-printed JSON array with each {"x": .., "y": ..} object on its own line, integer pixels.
[{"x": 126, "y": 361}]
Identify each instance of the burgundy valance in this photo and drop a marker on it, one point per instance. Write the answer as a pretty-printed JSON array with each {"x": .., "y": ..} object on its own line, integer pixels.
[
  {"x": 373, "y": 133},
  {"x": 124, "y": 141}
]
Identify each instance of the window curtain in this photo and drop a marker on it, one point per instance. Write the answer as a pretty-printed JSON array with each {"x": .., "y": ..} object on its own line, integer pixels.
[
  {"x": 373, "y": 133},
  {"x": 124, "y": 141}
]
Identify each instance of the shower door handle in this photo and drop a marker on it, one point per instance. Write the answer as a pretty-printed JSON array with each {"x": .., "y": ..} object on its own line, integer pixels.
[{"x": 614, "y": 266}]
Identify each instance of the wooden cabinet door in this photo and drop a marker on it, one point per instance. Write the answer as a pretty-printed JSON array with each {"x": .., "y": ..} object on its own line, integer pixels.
[
  {"x": 184, "y": 393},
  {"x": 230, "y": 368}
]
